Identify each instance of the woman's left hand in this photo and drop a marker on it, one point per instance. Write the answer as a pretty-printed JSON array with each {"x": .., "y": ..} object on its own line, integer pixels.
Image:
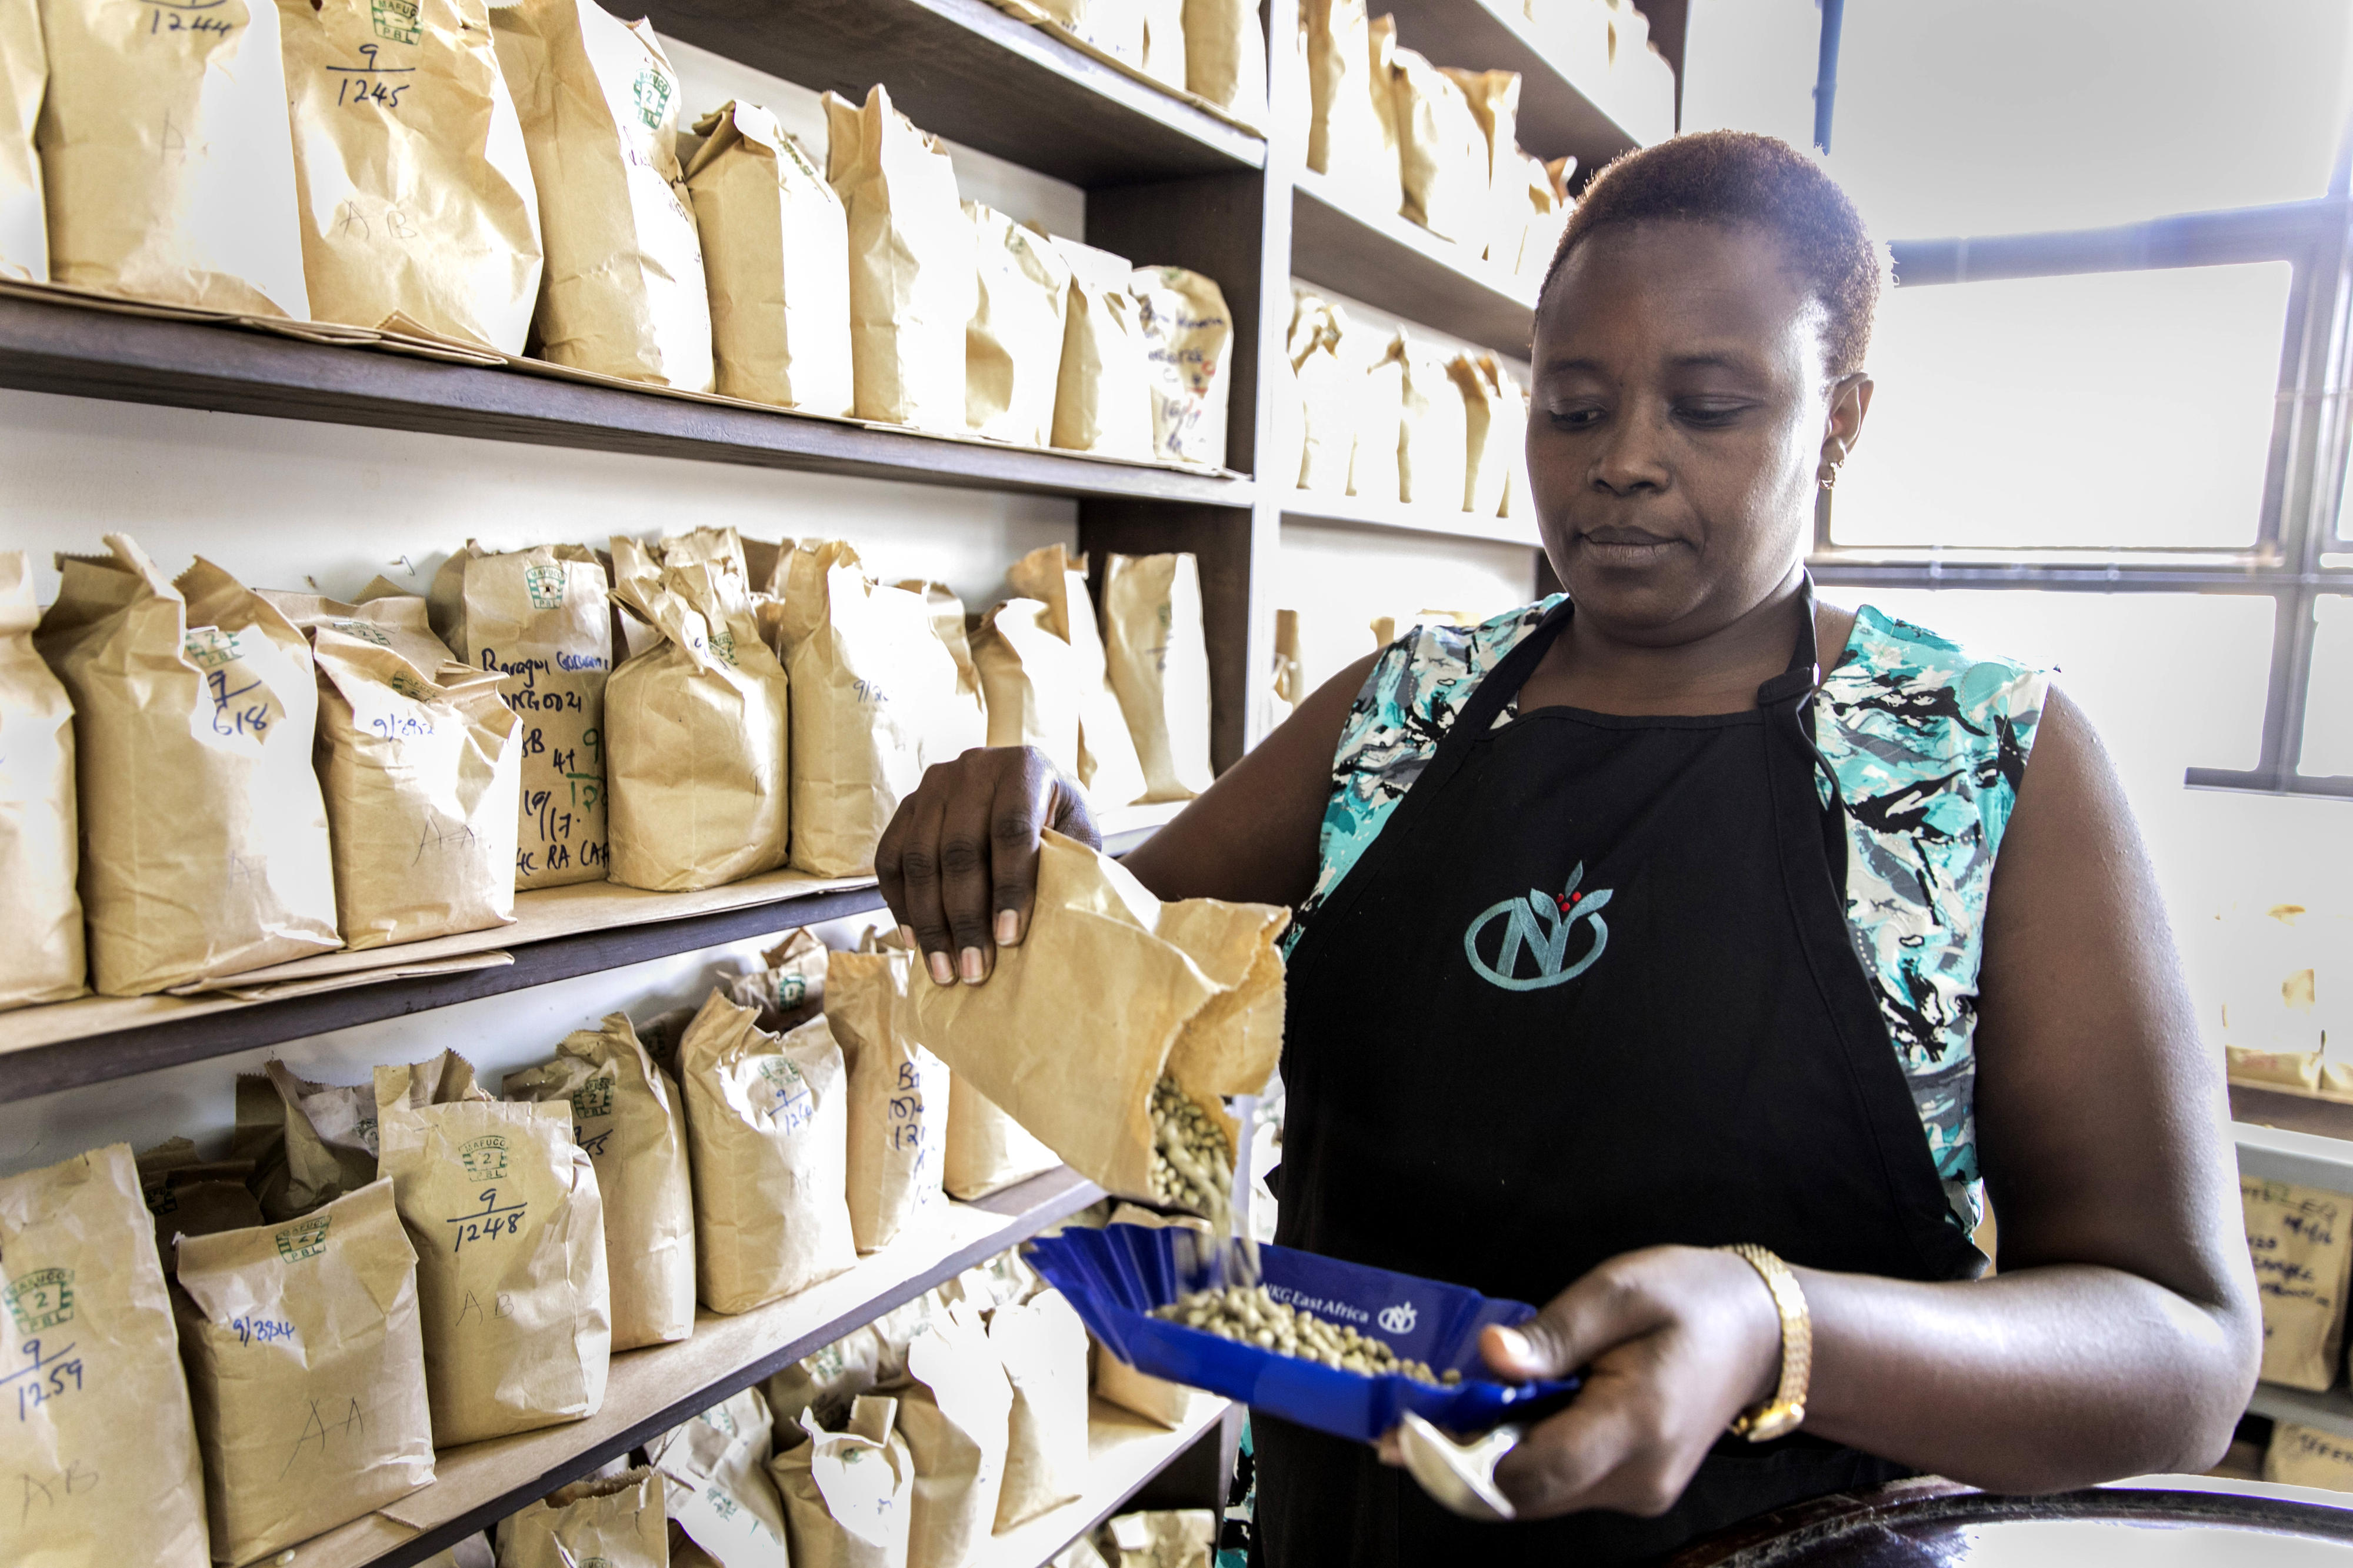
[{"x": 1674, "y": 1341}]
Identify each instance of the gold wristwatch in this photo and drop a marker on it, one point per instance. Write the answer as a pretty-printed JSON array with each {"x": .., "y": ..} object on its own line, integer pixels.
[{"x": 1786, "y": 1411}]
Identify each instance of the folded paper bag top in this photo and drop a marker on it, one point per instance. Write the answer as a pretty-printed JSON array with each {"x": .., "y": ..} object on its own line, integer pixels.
[{"x": 1110, "y": 989}]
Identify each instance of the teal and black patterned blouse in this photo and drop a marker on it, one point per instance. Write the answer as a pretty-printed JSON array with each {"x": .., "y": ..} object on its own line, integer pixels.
[{"x": 1928, "y": 741}]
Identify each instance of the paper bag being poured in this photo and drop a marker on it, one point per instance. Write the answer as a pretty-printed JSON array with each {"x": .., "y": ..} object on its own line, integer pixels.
[
  {"x": 101, "y": 1456},
  {"x": 164, "y": 148},
  {"x": 695, "y": 729},
  {"x": 417, "y": 201},
  {"x": 625, "y": 294},
  {"x": 1110, "y": 989},
  {"x": 38, "y": 857},
  {"x": 503, "y": 1210},
  {"x": 205, "y": 844}
]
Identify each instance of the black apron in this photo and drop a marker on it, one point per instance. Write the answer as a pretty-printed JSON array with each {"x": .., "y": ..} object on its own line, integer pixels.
[{"x": 1591, "y": 990}]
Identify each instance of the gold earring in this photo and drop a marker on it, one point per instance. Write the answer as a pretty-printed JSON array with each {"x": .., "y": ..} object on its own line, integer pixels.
[{"x": 1827, "y": 474}]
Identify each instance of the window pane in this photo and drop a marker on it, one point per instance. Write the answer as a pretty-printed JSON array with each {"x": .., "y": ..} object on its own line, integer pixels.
[
  {"x": 2128, "y": 409},
  {"x": 2328, "y": 699},
  {"x": 1971, "y": 117}
]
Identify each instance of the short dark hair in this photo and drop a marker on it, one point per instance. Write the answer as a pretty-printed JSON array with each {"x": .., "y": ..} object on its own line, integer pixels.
[{"x": 1741, "y": 177}]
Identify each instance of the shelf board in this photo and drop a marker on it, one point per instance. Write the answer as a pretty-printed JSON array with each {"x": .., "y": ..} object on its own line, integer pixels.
[
  {"x": 649, "y": 1391},
  {"x": 1563, "y": 103},
  {"x": 1399, "y": 267},
  {"x": 1123, "y": 1452},
  {"x": 77, "y": 351},
  {"x": 2308, "y": 1158},
  {"x": 967, "y": 72},
  {"x": 43, "y": 1050},
  {"x": 1316, "y": 506},
  {"x": 2331, "y": 1412}
]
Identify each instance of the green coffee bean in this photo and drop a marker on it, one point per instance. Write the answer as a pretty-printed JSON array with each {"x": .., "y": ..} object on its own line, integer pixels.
[{"x": 1253, "y": 1317}]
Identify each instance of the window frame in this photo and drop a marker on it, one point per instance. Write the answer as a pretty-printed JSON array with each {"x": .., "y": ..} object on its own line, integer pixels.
[{"x": 2295, "y": 557}]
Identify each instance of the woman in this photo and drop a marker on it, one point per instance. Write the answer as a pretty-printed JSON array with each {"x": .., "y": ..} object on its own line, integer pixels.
[{"x": 1804, "y": 954}]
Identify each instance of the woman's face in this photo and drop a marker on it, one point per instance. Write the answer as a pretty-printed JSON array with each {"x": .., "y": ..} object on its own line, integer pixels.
[{"x": 1679, "y": 412}]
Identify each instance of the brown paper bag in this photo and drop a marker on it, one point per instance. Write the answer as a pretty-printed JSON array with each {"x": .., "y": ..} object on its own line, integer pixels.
[
  {"x": 192, "y": 1196},
  {"x": 42, "y": 961},
  {"x": 423, "y": 773},
  {"x": 307, "y": 1370},
  {"x": 628, "y": 1116},
  {"x": 775, "y": 245},
  {"x": 911, "y": 264},
  {"x": 1102, "y": 393},
  {"x": 2301, "y": 1456},
  {"x": 768, "y": 1122},
  {"x": 611, "y": 1521},
  {"x": 1013, "y": 344},
  {"x": 625, "y": 294},
  {"x": 1042, "y": 1346},
  {"x": 987, "y": 1151},
  {"x": 1188, "y": 337},
  {"x": 165, "y": 154},
  {"x": 960, "y": 718},
  {"x": 1161, "y": 1537},
  {"x": 956, "y": 1415},
  {"x": 848, "y": 1494},
  {"x": 1164, "y": 43},
  {"x": 1289, "y": 686},
  {"x": 2304, "y": 1253},
  {"x": 788, "y": 989},
  {"x": 1433, "y": 431},
  {"x": 1349, "y": 141},
  {"x": 696, "y": 732},
  {"x": 823, "y": 1384},
  {"x": 311, "y": 1142},
  {"x": 101, "y": 1458},
  {"x": 1108, "y": 765},
  {"x": 1326, "y": 396},
  {"x": 1376, "y": 394},
  {"x": 1191, "y": 989},
  {"x": 417, "y": 206},
  {"x": 1494, "y": 428},
  {"x": 204, "y": 834},
  {"x": 714, "y": 1472},
  {"x": 870, "y": 679},
  {"x": 1519, "y": 501},
  {"x": 1156, "y": 1399},
  {"x": 898, "y": 1096},
  {"x": 538, "y": 617},
  {"x": 1495, "y": 100},
  {"x": 1225, "y": 57},
  {"x": 1032, "y": 678},
  {"x": 1546, "y": 214},
  {"x": 387, "y": 616},
  {"x": 1160, "y": 667},
  {"x": 1442, "y": 153},
  {"x": 503, "y": 1210},
  {"x": 24, "y": 76}
]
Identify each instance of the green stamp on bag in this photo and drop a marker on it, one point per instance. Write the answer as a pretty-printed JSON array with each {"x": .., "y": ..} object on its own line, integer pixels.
[
  {"x": 304, "y": 1238},
  {"x": 42, "y": 1301},
  {"x": 653, "y": 92},
  {"x": 395, "y": 21}
]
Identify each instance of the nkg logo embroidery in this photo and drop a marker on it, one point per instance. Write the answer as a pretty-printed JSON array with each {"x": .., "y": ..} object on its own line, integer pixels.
[
  {"x": 1399, "y": 1318},
  {"x": 1540, "y": 923}
]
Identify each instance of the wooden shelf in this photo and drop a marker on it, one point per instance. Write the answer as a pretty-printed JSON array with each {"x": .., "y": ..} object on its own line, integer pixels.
[
  {"x": 1316, "y": 506},
  {"x": 79, "y": 352},
  {"x": 1123, "y": 1452},
  {"x": 98, "y": 1039},
  {"x": 1563, "y": 105},
  {"x": 652, "y": 1390},
  {"x": 2331, "y": 1412},
  {"x": 2308, "y": 1158},
  {"x": 1399, "y": 267},
  {"x": 967, "y": 72}
]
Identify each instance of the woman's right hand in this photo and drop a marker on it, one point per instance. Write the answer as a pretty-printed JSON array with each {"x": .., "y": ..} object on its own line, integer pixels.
[{"x": 958, "y": 864}]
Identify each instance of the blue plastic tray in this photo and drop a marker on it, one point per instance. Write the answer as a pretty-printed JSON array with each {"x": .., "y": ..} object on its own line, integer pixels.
[{"x": 1115, "y": 1276}]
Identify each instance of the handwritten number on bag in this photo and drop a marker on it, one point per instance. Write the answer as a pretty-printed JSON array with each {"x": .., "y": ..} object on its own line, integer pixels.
[
  {"x": 489, "y": 1223},
  {"x": 186, "y": 17},
  {"x": 46, "y": 1375},
  {"x": 363, "y": 85}
]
